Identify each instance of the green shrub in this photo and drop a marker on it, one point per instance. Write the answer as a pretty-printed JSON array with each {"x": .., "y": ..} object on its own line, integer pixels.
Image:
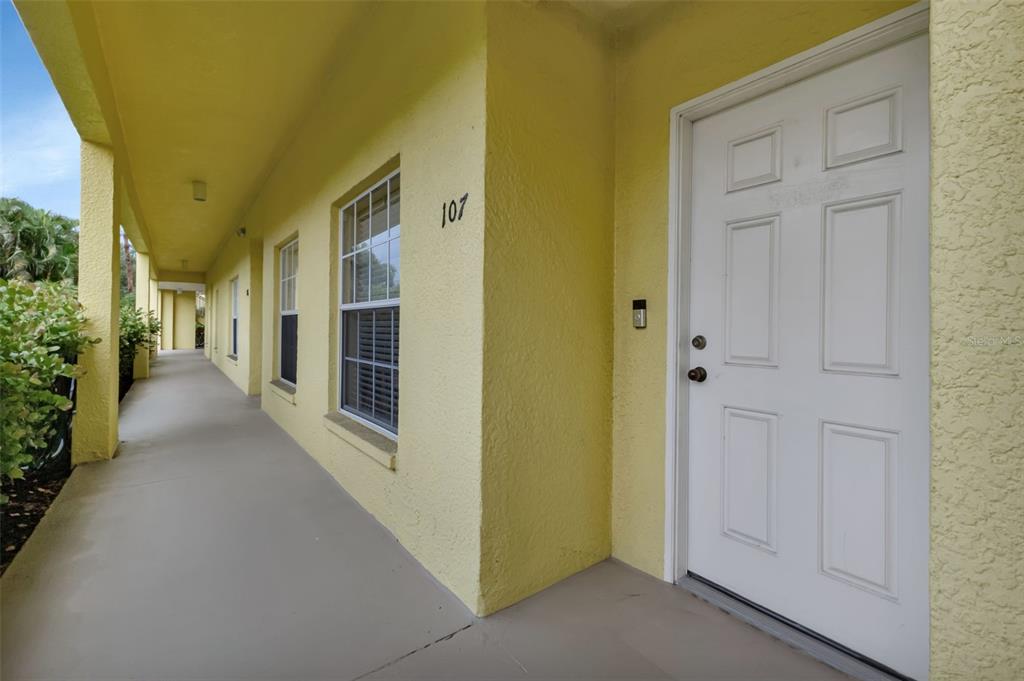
[
  {"x": 137, "y": 330},
  {"x": 41, "y": 334}
]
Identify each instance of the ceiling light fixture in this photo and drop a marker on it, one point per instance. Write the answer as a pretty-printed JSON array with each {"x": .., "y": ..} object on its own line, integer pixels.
[{"x": 198, "y": 190}]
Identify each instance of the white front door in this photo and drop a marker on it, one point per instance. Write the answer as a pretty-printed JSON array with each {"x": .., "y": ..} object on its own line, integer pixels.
[{"x": 809, "y": 449}]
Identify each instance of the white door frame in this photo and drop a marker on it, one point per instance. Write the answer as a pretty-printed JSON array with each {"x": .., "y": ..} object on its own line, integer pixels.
[{"x": 889, "y": 30}]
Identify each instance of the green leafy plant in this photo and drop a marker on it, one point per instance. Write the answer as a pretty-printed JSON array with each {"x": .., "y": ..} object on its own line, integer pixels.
[
  {"x": 154, "y": 329},
  {"x": 42, "y": 331},
  {"x": 137, "y": 330},
  {"x": 35, "y": 244}
]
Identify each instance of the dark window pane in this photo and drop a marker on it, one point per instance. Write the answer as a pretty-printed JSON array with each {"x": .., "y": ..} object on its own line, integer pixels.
[
  {"x": 234, "y": 336},
  {"x": 351, "y": 331},
  {"x": 289, "y": 346},
  {"x": 365, "y": 374},
  {"x": 369, "y": 365},
  {"x": 364, "y": 335},
  {"x": 394, "y": 345},
  {"x": 382, "y": 336},
  {"x": 394, "y": 400},
  {"x": 350, "y": 396},
  {"x": 382, "y": 394}
]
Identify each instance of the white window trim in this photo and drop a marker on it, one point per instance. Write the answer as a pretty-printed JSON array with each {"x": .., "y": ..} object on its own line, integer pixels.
[
  {"x": 281, "y": 310},
  {"x": 367, "y": 305},
  {"x": 368, "y": 423},
  {"x": 283, "y": 279},
  {"x": 233, "y": 340}
]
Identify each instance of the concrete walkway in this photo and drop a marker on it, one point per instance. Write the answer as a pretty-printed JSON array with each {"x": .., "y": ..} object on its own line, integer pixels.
[{"x": 213, "y": 547}]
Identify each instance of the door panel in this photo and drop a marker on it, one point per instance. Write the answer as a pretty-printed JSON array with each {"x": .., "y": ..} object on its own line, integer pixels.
[{"x": 809, "y": 450}]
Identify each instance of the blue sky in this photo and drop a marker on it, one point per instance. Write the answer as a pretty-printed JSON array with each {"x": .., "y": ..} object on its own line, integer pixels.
[{"x": 39, "y": 152}]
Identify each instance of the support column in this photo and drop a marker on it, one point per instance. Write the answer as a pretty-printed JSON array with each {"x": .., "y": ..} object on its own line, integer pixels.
[
  {"x": 99, "y": 275},
  {"x": 977, "y": 341},
  {"x": 166, "y": 320},
  {"x": 141, "y": 368},
  {"x": 255, "y": 316},
  {"x": 154, "y": 307},
  {"x": 184, "y": 333}
]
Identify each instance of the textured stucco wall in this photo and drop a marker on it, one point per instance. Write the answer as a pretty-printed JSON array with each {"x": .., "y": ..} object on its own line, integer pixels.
[
  {"x": 166, "y": 319},
  {"x": 684, "y": 51},
  {"x": 141, "y": 367},
  {"x": 422, "y": 100},
  {"x": 99, "y": 271},
  {"x": 239, "y": 257},
  {"x": 547, "y": 300},
  {"x": 185, "y": 320},
  {"x": 977, "y": 508}
]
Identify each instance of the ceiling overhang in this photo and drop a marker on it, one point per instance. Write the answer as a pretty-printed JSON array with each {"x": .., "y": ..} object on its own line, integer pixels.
[
  {"x": 64, "y": 34},
  {"x": 186, "y": 91}
]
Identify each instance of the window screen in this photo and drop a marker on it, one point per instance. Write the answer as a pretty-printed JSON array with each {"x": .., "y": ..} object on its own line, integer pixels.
[
  {"x": 289, "y": 312},
  {"x": 370, "y": 289}
]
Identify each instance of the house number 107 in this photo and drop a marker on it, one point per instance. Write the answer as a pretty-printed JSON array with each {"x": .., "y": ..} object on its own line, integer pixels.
[{"x": 452, "y": 211}]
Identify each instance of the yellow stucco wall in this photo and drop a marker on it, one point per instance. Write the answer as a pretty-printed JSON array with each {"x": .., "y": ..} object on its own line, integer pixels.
[
  {"x": 424, "y": 103},
  {"x": 95, "y": 420},
  {"x": 977, "y": 270},
  {"x": 166, "y": 319},
  {"x": 680, "y": 53},
  {"x": 154, "y": 305},
  {"x": 142, "y": 293},
  {"x": 185, "y": 320},
  {"x": 547, "y": 300},
  {"x": 210, "y": 322},
  {"x": 239, "y": 257}
]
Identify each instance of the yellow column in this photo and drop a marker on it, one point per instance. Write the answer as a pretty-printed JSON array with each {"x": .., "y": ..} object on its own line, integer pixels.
[
  {"x": 255, "y": 316},
  {"x": 166, "y": 320},
  {"x": 184, "y": 334},
  {"x": 154, "y": 306},
  {"x": 99, "y": 273},
  {"x": 141, "y": 368},
  {"x": 977, "y": 341}
]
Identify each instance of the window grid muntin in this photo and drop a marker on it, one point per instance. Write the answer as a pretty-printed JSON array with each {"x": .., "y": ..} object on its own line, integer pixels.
[
  {"x": 377, "y": 235},
  {"x": 288, "y": 264},
  {"x": 288, "y": 291},
  {"x": 363, "y": 406},
  {"x": 352, "y": 251}
]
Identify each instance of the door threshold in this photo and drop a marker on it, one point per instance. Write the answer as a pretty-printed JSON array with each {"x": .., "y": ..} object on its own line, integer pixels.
[{"x": 819, "y": 647}]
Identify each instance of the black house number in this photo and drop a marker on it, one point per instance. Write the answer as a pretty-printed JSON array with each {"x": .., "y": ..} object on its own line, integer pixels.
[{"x": 452, "y": 211}]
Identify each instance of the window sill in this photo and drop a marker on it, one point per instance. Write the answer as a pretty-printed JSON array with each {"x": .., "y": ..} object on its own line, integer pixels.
[
  {"x": 283, "y": 390},
  {"x": 233, "y": 358},
  {"x": 368, "y": 441}
]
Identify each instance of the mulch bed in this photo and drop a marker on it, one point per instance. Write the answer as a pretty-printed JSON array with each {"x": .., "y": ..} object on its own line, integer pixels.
[{"x": 28, "y": 501}]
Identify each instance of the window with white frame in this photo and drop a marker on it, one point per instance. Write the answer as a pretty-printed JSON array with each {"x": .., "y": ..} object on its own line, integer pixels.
[
  {"x": 234, "y": 318},
  {"x": 370, "y": 287},
  {"x": 288, "y": 324}
]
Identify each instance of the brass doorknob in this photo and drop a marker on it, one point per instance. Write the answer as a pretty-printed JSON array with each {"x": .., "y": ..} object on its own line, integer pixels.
[{"x": 698, "y": 374}]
